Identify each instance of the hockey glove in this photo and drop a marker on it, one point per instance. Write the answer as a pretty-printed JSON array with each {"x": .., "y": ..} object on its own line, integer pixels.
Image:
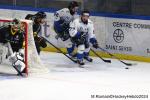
[
  {"x": 66, "y": 35},
  {"x": 35, "y": 34},
  {"x": 63, "y": 35},
  {"x": 41, "y": 41},
  {"x": 94, "y": 43},
  {"x": 79, "y": 38}
]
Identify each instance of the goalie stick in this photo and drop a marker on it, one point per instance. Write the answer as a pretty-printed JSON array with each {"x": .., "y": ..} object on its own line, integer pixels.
[
  {"x": 0, "y": 59},
  {"x": 127, "y": 64},
  {"x": 107, "y": 61},
  {"x": 58, "y": 49},
  {"x": 19, "y": 73}
]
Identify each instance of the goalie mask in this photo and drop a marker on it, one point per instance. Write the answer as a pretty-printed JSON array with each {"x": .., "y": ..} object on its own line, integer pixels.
[
  {"x": 15, "y": 26},
  {"x": 40, "y": 14},
  {"x": 40, "y": 17}
]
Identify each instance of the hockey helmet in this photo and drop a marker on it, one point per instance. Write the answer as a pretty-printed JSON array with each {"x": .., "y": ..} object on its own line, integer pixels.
[
  {"x": 73, "y": 4},
  {"x": 15, "y": 26},
  {"x": 16, "y": 21},
  {"x": 85, "y": 12},
  {"x": 40, "y": 14},
  {"x": 85, "y": 16}
]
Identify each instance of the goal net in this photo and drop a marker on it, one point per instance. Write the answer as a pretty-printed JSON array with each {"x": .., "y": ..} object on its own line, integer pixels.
[{"x": 33, "y": 64}]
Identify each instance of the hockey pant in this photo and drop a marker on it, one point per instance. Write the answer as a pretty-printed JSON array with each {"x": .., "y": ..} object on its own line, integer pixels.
[
  {"x": 82, "y": 51},
  {"x": 68, "y": 44}
]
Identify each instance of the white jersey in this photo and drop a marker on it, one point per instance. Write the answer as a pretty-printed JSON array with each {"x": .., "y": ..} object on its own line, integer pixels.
[
  {"x": 64, "y": 15},
  {"x": 78, "y": 26}
]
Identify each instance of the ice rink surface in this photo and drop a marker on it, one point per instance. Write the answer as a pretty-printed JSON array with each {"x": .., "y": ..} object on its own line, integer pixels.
[{"x": 67, "y": 81}]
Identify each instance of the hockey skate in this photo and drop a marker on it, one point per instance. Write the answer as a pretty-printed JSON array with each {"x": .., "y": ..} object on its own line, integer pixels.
[
  {"x": 80, "y": 62},
  {"x": 73, "y": 56},
  {"x": 88, "y": 59}
]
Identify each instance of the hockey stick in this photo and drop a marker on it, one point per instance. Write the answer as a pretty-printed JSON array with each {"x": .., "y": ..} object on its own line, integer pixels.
[
  {"x": 0, "y": 59},
  {"x": 128, "y": 64},
  {"x": 107, "y": 61},
  {"x": 17, "y": 70},
  {"x": 58, "y": 49}
]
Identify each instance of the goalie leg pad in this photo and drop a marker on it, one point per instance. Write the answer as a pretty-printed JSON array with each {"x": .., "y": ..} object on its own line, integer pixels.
[
  {"x": 17, "y": 61},
  {"x": 19, "y": 65},
  {"x": 3, "y": 52}
]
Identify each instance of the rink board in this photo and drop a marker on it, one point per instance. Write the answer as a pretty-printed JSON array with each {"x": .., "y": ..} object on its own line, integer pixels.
[
  {"x": 103, "y": 54},
  {"x": 125, "y": 37}
]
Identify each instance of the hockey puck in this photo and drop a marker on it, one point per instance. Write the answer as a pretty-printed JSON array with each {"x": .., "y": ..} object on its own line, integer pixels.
[{"x": 127, "y": 68}]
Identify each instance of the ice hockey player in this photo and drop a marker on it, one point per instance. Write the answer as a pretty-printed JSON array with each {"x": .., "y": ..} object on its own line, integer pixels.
[
  {"x": 11, "y": 44},
  {"x": 81, "y": 32},
  {"x": 38, "y": 19},
  {"x": 62, "y": 18}
]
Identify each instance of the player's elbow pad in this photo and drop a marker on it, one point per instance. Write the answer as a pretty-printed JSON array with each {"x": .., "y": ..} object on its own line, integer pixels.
[
  {"x": 59, "y": 22},
  {"x": 57, "y": 27},
  {"x": 78, "y": 34}
]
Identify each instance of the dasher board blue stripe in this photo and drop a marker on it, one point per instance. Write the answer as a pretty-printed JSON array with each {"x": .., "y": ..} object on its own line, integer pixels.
[{"x": 52, "y": 10}]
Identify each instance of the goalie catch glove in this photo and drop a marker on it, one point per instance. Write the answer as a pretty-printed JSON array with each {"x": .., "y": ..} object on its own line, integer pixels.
[
  {"x": 17, "y": 61},
  {"x": 94, "y": 43}
]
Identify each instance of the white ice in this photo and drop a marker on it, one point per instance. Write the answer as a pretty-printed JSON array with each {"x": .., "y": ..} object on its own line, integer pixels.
[{"x": 66, "y": 81}]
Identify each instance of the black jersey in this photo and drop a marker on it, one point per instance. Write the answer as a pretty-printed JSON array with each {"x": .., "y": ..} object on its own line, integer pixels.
[
  {"x": 16, "y": 40},
  {"x": 39, "y": 41},
  {"x": 36, "y": 26}
]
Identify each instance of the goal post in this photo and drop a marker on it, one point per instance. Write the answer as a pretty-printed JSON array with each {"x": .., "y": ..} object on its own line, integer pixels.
[{"x": 33, "y": 63}]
